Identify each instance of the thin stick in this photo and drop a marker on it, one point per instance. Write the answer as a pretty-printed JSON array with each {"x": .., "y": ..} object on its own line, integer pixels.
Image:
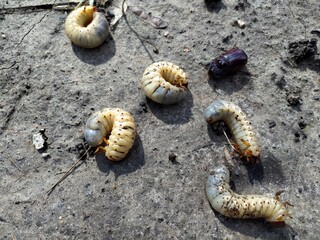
[
  {"x": 80, "y": 4},
  {"x": 225, "y": 134},
  {"x": 11, "y": 66},
  {"x": 16, "y": 166},
  {"x": 41, "y": 6},
  {"x": 33, "y": 26},
  {"x": 19, "y": 178},
  {"x": 73, "y": 167},
  {"x": 142, "y": 40}
]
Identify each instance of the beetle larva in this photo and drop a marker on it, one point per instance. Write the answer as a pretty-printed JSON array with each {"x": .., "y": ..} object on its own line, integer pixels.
[
  {"x": 233, "y": 205},
  {"x": 165, "y": 83},
  {"x": 113, "y": 126},
  {"x": 228, "y": 63},
  {"x": 86, "y": 27},
  {"x": 240, "y": 127}
]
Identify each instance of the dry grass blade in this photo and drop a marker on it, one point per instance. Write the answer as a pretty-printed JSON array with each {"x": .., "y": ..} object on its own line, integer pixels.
[
  {"x": 228, "y": 140},
  {"x": 16, "y": 166},
  {"x": 71, "y": 169}
]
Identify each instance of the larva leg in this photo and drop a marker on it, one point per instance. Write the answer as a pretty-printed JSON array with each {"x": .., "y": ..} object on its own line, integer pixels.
[
  {"x": 277, "y": 197},
  {"x": 232, "y": 205},
  {"x": 115, "y": 128},
  {"x": 100, "y": 148},
  {"x": 243, "y": 134},
  {"x": 164, "y": 83}
]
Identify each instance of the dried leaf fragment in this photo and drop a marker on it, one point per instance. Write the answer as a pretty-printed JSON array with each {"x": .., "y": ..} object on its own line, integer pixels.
[{"x": 155, "y": 22}]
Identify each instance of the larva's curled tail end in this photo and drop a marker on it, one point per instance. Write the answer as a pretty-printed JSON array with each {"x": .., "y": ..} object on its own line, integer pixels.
[
  {"x": 280, "y": 212},
  {"x": 86, "y": 27},
  {"x": 251, "y": 159},
  {"x": 250, "y": 156},
  {"x": 184, "y": 84},
  {"x": 165, "y": 83}
]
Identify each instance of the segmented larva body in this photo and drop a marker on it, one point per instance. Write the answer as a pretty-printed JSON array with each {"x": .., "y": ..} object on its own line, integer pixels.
[
  {"x": 86, "y": 27},
  {"x": 113, "y": 126},
  {"x": 164, "y": 83},
  {"x": 233, "y": 205},
  {"x": 240, "y": 127}
]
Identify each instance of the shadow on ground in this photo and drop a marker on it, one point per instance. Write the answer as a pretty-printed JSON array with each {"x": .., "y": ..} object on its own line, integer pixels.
[
  {"x": 96, "y": 56},
  {"x": 214, "y": 6},
  {"x": 256, "y": 227},
  {"x": 172, "y": 114},
  {"x": 232, "y": 83}
]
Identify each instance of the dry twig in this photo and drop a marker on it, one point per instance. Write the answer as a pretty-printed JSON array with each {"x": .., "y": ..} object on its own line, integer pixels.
[
  {"x": 16, "y": 165},
  {"x": 71, "y": 169}
]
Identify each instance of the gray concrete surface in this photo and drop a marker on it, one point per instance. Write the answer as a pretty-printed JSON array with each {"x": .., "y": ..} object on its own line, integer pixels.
[{"x": 46, "y": 83}]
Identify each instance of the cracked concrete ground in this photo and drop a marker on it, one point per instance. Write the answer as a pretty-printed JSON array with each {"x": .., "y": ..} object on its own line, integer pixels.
[{"x": 47, "y": 83}]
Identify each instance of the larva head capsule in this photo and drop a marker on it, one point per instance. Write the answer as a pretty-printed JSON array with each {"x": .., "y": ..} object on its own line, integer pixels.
[
  {"x": 213, "y": 112},
  {"x": 93, "y": 137},
  {"x": 217, "y": 178},
  {"x": 220, "y": 174},
  {"x": 94, "y": 131}
]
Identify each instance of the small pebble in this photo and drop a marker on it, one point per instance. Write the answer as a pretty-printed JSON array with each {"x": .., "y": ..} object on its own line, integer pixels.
[
  {"x": 38, "y": 141},
  {"x": 239, "y": 23},
  {"x": 172, "y": 157},
  {"x": 45, "y": 155},
  {"x": 316, "y": 98},
  {"x": 272, "y": 124}
]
